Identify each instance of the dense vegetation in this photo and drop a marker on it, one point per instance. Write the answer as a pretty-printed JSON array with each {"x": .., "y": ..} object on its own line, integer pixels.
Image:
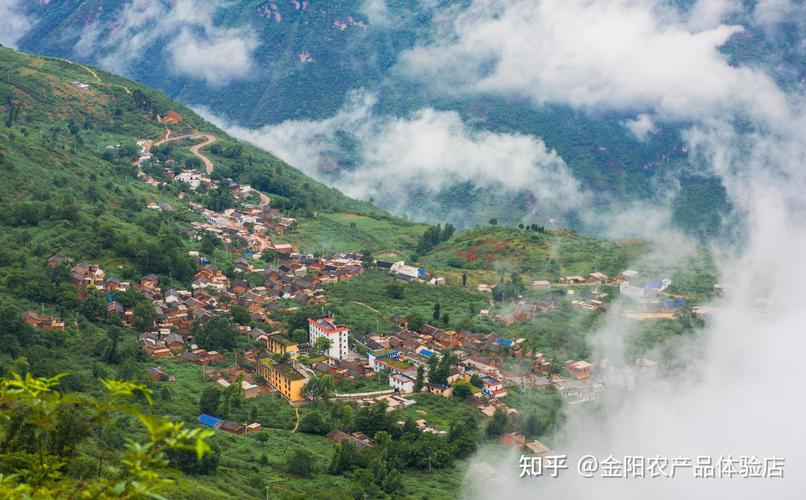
[
  {"x": 541, "y": 255},
  {"x": 70, "y": 188},
  {"x": 603, "y": 155}
]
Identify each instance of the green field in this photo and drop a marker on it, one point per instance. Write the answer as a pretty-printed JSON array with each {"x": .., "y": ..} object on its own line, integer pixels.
[
  {"x": 540, "y": 255},
  {"x": 353, "y": 232},
  {"x": 364, "y": 303}
]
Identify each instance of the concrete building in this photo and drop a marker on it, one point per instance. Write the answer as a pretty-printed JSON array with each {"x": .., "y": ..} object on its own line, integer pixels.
[{"x": 337, "y": 334}]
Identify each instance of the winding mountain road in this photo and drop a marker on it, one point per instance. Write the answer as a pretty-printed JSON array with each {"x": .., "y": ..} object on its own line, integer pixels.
[{"x": 196, "y": 151}]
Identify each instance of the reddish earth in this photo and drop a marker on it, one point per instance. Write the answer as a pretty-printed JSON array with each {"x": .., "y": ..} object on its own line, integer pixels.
[
  {"x": 469, "y": 256},
  {"x": 171, "y": 117}
]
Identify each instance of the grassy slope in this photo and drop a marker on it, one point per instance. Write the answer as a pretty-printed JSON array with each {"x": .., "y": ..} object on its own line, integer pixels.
[
  {"x": 45, "y": 162},
  {"x": 541, "y": 256},
  {"x": 335, "y": 231},
  {"x": 365, "y": 305},
  {"x": 48, "y": 165}
]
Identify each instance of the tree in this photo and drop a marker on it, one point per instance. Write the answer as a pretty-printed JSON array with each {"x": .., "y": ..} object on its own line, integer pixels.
[
  {"x": 436, "y": 311},
  {"x": 219, "y": 199},
  {"x": 232, "y": 397},
  {"x": 464, "y": 279},
  {"x": 110, "y": 353},
  {"x": 448, "y": 232},
  {"x": 462, "y": 390},
  {"x": 533, "y": 427},
  {"x": 301, "y": 462},
  {"x": 312, "y": 423},
  {"x": 319, "y": 387},
  {"x": 416, "y": 321},
  {"x": 217, "y": 334},
  {"x": 322, "y": 345},
  {"x": 210, "y": 400},
  {"x": 189, "y": 463},
  {"x": 345, "y": 457},
  {"x": 394, "y": 290},
  {"x": 419, "y": 382},
  {"x": 94, "y": 306},
  {"x": 374, "y": 419},
  {"x": 143, "y": 316},
  {"x": 299, "y": 335},
  {"x": 67, "y": 298},
  {"x": 498, "y": 424},
  {"x": 493, "y": 222},
  {"x": 438, "y": 373},
  {"x": 41, "y": 427},
  {"x": 463, "y": 436},
  {"x": 209, "y": 242},
  {"x": 342, "y": 416},
  {"x": 240, "y": 314},
  {"x": 366, "y": 258},
  {"x": 476, "y": 381},
  {"x": 446, "y": 319}
]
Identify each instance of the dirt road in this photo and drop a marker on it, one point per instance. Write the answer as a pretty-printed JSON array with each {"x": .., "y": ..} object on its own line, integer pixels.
[{"x": 195, "y": 150}]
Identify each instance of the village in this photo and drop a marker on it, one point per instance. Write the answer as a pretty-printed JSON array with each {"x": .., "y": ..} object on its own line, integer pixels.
[{"x": 395, "y": 364}]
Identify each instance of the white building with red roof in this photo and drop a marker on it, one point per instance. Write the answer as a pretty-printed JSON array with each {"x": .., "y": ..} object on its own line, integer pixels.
[{"x": 337, "y": 334}]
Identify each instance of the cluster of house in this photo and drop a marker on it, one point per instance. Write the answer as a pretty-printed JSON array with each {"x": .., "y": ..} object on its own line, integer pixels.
[
  {"x": 522, "y": 310},
  {"x": 297, "y": 278},
  {"x": 287, "y": 375},
  {"x": 248, "y": 228},
  {"x": 645, "y": 290},
  {"x": 480, "y": 358}
]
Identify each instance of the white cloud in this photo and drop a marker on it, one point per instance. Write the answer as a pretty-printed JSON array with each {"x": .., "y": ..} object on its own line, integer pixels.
[
  {"x": 196, "y": 46},
  {"x": 425, "y": 152},
  {"x": 633, "y": 55},
  {"x": 768, "y": 13},
  {"x": 14, "y": 23},
  {"x": 707, "y": 14},
  {"x": 377, "y": 12},
  {"x": 217, "y": 60},
  {"x": 641, "y": 126},
  {"x": 739, "y": 392}
]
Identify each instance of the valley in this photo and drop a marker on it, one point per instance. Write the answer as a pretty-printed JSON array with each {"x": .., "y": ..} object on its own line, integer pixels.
[{"x": 197, "y": 280}]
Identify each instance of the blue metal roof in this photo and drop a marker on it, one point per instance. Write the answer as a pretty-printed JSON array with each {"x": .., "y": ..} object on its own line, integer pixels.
[
  {"x": 505, "y": 342},
  {"x": 426, "y": 353},
  {"x": 210, "y": 421}
]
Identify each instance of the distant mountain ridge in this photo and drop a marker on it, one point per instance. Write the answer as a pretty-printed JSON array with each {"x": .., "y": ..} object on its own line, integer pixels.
[{"x": 309, "y": 55}]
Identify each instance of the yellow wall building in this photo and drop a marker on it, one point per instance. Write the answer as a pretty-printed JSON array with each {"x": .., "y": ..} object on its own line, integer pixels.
[
  {"x": 280, "y": 344},
  {"x": 282, "y": 377}
]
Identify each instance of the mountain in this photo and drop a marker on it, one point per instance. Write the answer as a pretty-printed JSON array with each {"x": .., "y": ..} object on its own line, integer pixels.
[
  {"x": 302, "y": 60},
  {"x": 71, "y": 194},
  {"x": 87, "y": 160},
  {"x": 66, "y": 150}
]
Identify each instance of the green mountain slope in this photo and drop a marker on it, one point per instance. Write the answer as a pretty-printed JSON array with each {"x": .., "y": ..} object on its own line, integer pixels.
[
  {"x": 67, "y": 143},
  {"x": 349, "y": 50}
]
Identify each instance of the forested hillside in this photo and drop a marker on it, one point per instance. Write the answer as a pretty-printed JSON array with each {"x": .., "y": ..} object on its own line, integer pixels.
[
  {"x": 67, "y": 147},
  {"x": 302, "y": 60}
]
